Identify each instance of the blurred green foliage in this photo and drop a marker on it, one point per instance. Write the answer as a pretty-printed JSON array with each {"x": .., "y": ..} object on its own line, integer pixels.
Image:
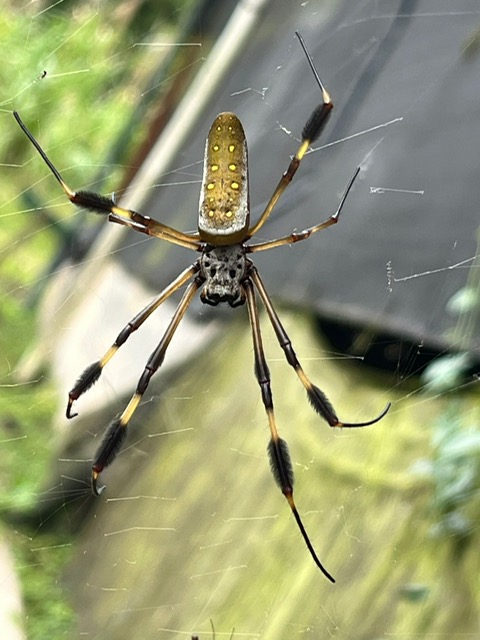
[
  {"x": 74, "y": 72},
  {"x": 454, "y": 465}
]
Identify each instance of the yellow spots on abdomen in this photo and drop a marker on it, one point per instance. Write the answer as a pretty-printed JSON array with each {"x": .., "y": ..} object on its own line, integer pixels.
[{"x": 224, "y": 213}]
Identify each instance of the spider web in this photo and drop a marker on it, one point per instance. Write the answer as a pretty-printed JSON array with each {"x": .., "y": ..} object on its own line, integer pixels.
[{"x": 192, "y": 527}]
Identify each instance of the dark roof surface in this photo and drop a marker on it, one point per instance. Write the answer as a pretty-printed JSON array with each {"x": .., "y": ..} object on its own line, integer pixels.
[{"x": 406, "y": 109}]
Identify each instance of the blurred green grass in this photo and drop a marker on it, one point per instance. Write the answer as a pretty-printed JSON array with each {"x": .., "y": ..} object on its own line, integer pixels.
[{"x": 73, "y": 72}]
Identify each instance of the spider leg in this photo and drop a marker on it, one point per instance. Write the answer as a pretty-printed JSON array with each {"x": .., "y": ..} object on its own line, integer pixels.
[
  {"x": 151, "y": 227},
  {"x": 117, "y": 430},
  {"x": 296, "y": 236},
  {"x": 318, "y": 399},
  {"x": 311, "y": 131},
  {"x": 280, "y": 461},
  {"x": 93, "y": 372},
  {"x": 103, "y": 205}
]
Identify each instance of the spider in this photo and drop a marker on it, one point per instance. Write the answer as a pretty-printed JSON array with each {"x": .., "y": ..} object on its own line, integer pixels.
[{"x": 224, "y": 274}]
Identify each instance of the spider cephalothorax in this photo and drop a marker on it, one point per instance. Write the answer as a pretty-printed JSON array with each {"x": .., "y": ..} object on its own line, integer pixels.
[{"x": 224, "y": 269}]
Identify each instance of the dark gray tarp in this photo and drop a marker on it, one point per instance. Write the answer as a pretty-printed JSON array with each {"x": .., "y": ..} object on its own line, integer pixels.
[{"x": 405, "y": 80}]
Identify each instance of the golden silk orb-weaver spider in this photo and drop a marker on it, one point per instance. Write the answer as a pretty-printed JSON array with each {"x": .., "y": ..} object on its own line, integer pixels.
[{"x": 223, "y": 272}]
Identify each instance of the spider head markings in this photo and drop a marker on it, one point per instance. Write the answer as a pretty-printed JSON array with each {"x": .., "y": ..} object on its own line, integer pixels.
[{"x": 223, "y": 269}]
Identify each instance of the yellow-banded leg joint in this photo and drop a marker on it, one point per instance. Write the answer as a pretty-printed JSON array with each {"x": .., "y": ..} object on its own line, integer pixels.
[
  {"x": 87, "y": 379},
  {"x": 112, "y": 442}
]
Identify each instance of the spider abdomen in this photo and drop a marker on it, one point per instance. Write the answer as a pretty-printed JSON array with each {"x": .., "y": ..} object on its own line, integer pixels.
[
  {"x": 223, "y": 269},
  {"x": 223, "y": 216}
]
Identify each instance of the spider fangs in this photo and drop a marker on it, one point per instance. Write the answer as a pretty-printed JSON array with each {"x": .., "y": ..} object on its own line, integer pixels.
[{"x": 224, "y": 272}]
